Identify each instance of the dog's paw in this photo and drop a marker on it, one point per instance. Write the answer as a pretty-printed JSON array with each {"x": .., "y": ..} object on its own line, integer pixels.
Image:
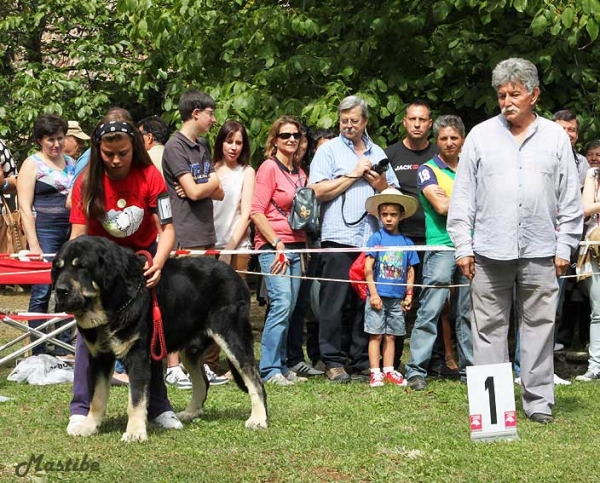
[
  {"x": 188, "y": 416},
  {"x": 256, "y": 423},
  {"x": 138, "y": 436},
  {"x": 85, "y": 428}
]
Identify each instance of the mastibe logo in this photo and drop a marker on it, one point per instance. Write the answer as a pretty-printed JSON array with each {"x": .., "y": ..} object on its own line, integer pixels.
[{"x": 38, "y": 463}]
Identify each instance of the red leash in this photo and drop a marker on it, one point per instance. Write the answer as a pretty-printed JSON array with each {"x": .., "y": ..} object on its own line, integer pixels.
[{"x": 158, "y": 333}]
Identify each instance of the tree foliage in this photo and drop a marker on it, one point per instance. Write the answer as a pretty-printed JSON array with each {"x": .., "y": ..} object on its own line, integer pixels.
[{"x": 264, "y": 58}]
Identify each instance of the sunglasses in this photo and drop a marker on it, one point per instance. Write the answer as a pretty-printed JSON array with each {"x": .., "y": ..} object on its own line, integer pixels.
[{"x": 287, "y": 135}]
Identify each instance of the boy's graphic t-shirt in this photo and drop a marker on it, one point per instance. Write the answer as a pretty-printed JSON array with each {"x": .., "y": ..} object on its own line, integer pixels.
[{"x": 391, "y": 266}]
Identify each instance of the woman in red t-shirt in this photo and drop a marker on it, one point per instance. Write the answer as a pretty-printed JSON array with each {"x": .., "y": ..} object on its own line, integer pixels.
[
  {"x": 276, "y": 183},
  {"x": 116, "y": 197}
]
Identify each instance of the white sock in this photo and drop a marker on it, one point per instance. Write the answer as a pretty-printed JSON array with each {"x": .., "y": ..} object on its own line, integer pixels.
[
  {"x": 375, "y": 370},
  {"x": 388, "y": 369}
]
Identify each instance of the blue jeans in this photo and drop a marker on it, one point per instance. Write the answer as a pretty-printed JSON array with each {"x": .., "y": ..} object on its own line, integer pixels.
[
  {"x": 50, "y": 240},
  {"x": 594, "y": 355},
  {"x": 439, "y": 268},
  {"x": 283, "y": 292}
]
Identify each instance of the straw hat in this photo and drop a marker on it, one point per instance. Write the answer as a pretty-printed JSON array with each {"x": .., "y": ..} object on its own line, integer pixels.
[
  {"x": 76, "y": 131},
  {"x": 392, "y": 195}
]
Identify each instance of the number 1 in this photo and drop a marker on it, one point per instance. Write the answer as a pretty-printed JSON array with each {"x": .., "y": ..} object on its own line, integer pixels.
[{"x": 489, "y": 386}]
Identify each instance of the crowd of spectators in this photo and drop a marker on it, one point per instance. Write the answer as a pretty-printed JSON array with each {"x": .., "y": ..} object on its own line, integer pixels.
[{"x": 498, "y": 173}]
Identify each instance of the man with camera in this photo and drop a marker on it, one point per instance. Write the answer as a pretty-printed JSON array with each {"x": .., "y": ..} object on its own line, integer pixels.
[
  {"x": 435, "y": 182},
  {"x": 343, "y": 174}
]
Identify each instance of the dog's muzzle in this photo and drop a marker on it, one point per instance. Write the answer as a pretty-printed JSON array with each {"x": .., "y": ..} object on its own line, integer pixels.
[{"x": 71, "y": 299}]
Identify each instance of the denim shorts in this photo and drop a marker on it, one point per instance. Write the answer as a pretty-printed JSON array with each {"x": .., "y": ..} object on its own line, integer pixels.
[{"x": 389, "y": 320}]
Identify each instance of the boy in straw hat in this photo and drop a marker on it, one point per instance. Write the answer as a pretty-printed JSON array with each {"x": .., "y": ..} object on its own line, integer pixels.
[{"x": 390, "y": 277}]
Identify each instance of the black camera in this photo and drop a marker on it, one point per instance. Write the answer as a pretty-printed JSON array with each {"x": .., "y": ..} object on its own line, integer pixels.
[{"x": 382, "y": 166}]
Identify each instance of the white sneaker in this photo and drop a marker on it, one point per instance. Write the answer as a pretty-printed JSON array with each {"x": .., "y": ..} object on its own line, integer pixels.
[
  {"x": 279, "y": 380},
  {"x": 561, "y": 382},
  {"x": 293, "y": 377},
  {"x": 557, "y": 381},
  {"x": 74, "y": 422},
  {"x": 213, "y": 379},
  {"x": 168, "y": 420},
  {"x": 176, "y": 377},
  {"x": 589, "y": 376}
]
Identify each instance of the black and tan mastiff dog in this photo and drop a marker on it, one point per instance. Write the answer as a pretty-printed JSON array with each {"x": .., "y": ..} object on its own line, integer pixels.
[{"x": 201, "y": 299}]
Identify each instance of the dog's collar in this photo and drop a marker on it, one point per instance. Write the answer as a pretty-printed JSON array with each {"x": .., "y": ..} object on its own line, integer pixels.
[{"x": 130, "y": 301}]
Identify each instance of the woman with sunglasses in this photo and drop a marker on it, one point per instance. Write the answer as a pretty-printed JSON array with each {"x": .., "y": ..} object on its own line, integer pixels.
[{"x": 276, "y": 181}]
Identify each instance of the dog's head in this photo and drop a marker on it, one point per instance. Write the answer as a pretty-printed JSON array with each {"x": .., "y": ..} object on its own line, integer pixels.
[{"x": 92, "y": 271}]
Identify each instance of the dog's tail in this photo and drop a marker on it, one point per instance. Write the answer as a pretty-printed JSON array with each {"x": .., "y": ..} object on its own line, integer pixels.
[{"x": 237, "y": 377}]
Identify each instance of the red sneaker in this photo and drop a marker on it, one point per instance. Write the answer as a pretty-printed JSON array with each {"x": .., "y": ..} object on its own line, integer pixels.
[
  {"x": 377, "y": 379},
  {"x": 394, "y": 377}
]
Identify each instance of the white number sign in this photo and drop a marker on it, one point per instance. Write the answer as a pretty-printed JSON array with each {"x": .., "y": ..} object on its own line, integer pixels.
[{"x": 492, "y": 412}]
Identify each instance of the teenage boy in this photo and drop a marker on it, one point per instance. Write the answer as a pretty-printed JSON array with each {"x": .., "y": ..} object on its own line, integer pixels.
[
  {"x": 192, "y": 185},
  {"x": 390, "y": 277}
]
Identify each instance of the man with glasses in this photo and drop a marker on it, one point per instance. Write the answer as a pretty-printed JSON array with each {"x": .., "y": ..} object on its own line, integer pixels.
[
  {"x": 192, "y": 185},
  {"x": 343, "y": 175}
]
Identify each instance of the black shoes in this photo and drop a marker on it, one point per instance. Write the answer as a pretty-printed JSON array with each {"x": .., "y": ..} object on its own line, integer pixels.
[
  {"x": 417, "y": 383},
  {"x": 541, "y": 418}
]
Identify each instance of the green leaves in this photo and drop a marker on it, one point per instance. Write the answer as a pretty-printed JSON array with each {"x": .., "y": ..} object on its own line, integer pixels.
[{"x": 263, "y": 59}]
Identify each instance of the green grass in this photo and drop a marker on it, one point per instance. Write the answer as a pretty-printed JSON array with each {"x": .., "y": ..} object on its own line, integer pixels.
[{"x": 318, "y": 432}]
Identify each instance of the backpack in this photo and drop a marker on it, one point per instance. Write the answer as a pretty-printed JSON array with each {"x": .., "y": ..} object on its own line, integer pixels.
[
  {"x": 356, "y": 274},
  {"x": 304, "y": 214}
]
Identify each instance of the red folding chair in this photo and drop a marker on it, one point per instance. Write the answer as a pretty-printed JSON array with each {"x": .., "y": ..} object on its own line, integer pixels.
[{"x": 18, "y": 272}]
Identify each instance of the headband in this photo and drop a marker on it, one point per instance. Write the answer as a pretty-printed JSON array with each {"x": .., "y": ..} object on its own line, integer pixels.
[{"x": 113, "y": 127}]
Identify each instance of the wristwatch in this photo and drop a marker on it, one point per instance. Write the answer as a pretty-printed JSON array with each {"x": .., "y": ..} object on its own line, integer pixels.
[{"x": 275, "y": 242}]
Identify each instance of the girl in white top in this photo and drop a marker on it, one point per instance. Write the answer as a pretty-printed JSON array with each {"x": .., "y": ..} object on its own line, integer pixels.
[
  {"x": 591, "y": 208},
  {"x": 232, "y": 214}
]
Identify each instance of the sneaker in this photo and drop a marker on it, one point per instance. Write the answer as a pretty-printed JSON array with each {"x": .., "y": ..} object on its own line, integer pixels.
[
  {"x": 361, "y": 376},
  {"x": 337, "y": 374},
  {"x": 558, "y": 347},
  {"x": 417, "y": 383},
  {"x": 518, "y": 381},
  {"x": 119, "y": 379},
  {"x": 558, "y": 381},
  {"x": 168, "y": 420},
  {"x": 74, "y": 422},
  {"x": 589, "y": 376},
  {"x": 279, "y": 380},
  {"x": 377, "y": 379},
  {"x": 213, "y": 378},
  {"x": 292, "y": 377},
  {"x": 304, "y": 369},
  {"x": 177, "y": 378},
  {"x": 394, "y": 377}
]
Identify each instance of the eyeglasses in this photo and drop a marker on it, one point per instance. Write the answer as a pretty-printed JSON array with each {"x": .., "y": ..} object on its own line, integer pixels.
[
  {"x": 210, "y": 112},
  {"x": 287, "y": 135}
]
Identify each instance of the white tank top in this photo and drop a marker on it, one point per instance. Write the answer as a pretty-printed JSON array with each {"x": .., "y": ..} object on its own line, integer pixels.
[{"x": 227, "y": 212}]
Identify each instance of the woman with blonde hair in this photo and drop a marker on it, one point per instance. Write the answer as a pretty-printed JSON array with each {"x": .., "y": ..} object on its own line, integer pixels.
[{"x": 276, "y": 181}]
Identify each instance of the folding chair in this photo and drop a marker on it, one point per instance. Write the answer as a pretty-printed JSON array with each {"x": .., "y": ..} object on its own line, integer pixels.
[{"x": 20, "y": 272}]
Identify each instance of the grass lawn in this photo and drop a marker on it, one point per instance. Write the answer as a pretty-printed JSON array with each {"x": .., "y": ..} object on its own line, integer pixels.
[{"x": 319, "y": 432}]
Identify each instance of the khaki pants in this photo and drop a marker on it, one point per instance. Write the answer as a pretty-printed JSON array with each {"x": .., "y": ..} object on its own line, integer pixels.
[{"x": 537, "y": 295}]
